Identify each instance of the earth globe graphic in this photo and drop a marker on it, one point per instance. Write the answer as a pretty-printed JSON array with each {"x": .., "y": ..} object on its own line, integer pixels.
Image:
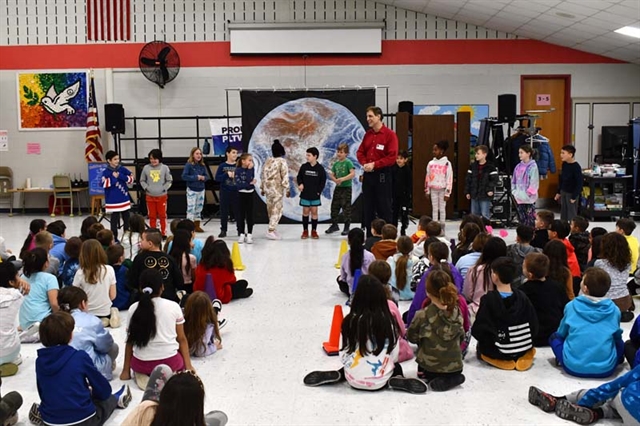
[{"x": 302, "y": 124}]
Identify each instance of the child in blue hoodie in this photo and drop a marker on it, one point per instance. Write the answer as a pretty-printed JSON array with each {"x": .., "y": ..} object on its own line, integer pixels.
[
  {"x": 85, "y": 398},
  {"x": 588, "y": 342},
  {"x": 613, "y": 400}
]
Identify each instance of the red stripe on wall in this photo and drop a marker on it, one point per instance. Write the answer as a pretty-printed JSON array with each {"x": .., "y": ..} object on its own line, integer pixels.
[{"x": 217, "y": 54}]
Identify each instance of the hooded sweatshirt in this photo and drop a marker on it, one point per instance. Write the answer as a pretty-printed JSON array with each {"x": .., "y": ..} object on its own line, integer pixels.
[
  {"x": 156, "y": 180},
  {"x": 57, "y": 250},
  {"x": 438, "y": 336},
  {"x": 10, "y": 301},
  {"x": 629, "y": 388},
  {"x": 439, "y": 175},
  {"x": 518, "y": 252},
  {"x": 384, "y": 249},
  {"x": 89, "y": 335},
  {"x": 572, "y": 260},
  {"x": 581, "y": 245},
  {"x": 71, "y": 403},
  {"x": 549, "y": 299},
  {"x": 590, "y": 329},
  {"x": 525, "y": 182},
  {"x": 505, "y": 326}
]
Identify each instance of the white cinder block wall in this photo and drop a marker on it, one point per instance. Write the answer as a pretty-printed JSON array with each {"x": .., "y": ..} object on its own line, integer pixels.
[{"x": 201, "y": 91}]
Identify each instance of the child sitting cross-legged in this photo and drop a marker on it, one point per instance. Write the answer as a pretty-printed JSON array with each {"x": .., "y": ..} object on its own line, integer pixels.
[
  {"x": 438, "y": 331},
  {"x": 588, "y": 342},
  {"x": 547, "y": 296},
  {"x": 12, "y": 289},
  {"x": 401, "y": 265},
  {"x": 506, "y": 322},
  {"x": 356, "y": 258},
  {"x": 386, "y": 247},
  {"x": 617, "y": 399},
  {"x": 370, "y": 345},
  {"x": 72, "y": 390},
  {"x": 89, "y": 334},
  {"x": 201, "y": 325},
  {"x": 155, "y": 334},
  {"x": 72, "y": 264}
]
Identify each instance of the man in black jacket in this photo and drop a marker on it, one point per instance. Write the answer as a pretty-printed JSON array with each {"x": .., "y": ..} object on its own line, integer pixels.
[{"x": 482, "y": 178}]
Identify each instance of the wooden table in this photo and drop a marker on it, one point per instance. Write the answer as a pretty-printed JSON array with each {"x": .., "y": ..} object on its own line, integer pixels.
[{"x": 24, "y": 191}]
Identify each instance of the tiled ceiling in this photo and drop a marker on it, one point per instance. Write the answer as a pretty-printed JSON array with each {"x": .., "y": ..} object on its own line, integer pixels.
[{"x": 585, "y": 25}]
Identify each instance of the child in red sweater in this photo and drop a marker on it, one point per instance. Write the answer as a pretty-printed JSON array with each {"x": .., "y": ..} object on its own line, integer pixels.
[{"x": 216, "y": 260}]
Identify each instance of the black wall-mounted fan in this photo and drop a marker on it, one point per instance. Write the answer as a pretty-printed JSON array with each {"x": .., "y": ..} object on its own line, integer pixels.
[{"x": 159, "y": 62}]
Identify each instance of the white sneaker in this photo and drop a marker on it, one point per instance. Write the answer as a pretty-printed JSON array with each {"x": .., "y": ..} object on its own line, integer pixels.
[
  {"x": 31, "y": 334},
  {"x": 114, "y": 319},
  {"x": 248, "y": 239},
  {"x": 221, "y": 323},
  {"x": 272, "y": 235},
  {"x": 240, "y": 238}
]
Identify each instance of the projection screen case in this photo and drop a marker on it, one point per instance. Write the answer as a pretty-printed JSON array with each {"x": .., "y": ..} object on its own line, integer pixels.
[{"x": 306, "y": 38}]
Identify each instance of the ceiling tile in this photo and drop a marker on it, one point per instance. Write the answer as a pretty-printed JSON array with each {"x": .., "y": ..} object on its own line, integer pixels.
[
  {"x": 512, "y": 10},
  {"x": 592, "y": 47},
  {"x": 625, "y": 11},
  {"x": 621, "y": 21},
  {"x": 591, "y": 4},
  {"x": 600, "y": 23}
]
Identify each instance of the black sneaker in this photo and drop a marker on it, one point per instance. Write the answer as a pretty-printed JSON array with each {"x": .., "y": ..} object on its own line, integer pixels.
[
  {"x": 345, "y": 231},
  {"x": 443, "y": 384},
  {"x": 34, "y": 415},
  {"x": 248, "y": 292},
  {"x": 319, "y": 378},
  {"x": 543, "y": 400},
  {"x": 569, "y": 411},
  {"x": 407, "y": 384},
  {"x": 333, "y": 228},
  {"x": 222, "y": 234},
  {"x": 627, "y": 316}
]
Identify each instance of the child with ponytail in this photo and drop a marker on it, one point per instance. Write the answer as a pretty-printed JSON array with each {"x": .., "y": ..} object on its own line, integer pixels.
[
  {"x": 356, "y": 258},
  {"x": 89, "y": 334},
  {"x": 438, "y": 253},
  {"x": 156, "y": 332},
  {"x": 201, "y": 325},
  {"x": 401, "y": 265},
  {"x": 29, "y": 244},
  {"x": 370, "y": 345},
  {"x": 438, "y": 332},
  {"x": 43, "y": 297}
]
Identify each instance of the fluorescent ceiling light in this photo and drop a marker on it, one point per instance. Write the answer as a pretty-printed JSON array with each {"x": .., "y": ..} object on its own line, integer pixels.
[{"x": 629, "y": 31}]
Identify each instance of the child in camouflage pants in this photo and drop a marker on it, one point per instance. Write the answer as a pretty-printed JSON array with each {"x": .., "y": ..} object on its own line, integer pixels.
[{"x": 342, "y": 173}]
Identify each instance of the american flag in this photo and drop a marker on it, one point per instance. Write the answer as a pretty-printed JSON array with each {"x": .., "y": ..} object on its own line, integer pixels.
[
  {"x": 92, "y": 147},
  {"x": 108, "y": 20}
]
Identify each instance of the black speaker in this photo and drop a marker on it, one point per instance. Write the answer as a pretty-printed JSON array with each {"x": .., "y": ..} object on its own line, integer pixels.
[
  {"x": 114, "y": 118},
  {"x": 406, "y": 106},
  {"x": 507, "y": 108}
]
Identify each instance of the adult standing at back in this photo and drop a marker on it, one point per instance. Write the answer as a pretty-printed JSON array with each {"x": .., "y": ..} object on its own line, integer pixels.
[{"x": 377, "y": 153}]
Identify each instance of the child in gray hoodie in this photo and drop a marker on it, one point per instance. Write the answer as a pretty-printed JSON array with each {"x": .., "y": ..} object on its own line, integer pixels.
[
  {"x": 156, "y": 180},
  {"x": 519, "y": 250}
]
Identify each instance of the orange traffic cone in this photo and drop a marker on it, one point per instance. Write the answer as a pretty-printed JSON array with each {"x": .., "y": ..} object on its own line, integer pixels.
[
  {"x": 343, "y": 249},
  {"x": 236, "y": 258},
  {"x": 332, "y": 347}
]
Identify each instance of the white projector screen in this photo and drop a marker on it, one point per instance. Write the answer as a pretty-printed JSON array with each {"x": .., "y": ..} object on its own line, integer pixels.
[{"x": 263, "y": 39}]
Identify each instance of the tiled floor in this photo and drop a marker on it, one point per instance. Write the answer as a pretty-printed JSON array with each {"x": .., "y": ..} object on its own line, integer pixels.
[{"x": 274, "y": 338}]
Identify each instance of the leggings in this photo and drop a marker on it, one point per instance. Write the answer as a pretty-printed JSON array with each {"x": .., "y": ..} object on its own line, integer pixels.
[
  {"x": 438, "y": 205},
  {"x": 195, "y": 202},
  {"x": 245, "y": 212},
  {"x": 527, "y": 214},
  {"x": 115, "y": 222},
  {"x": 157, "y": 208}
]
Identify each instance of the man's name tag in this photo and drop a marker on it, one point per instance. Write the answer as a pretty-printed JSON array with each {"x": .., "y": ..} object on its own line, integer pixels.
[{"x": 380, "y": 147}]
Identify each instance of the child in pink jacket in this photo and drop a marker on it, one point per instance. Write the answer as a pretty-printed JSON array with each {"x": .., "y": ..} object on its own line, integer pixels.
[{"x": 439, "y": 181}]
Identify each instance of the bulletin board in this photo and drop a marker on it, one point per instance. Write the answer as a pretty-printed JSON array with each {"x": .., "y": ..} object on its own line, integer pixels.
[{"x": 95, "y": 178}]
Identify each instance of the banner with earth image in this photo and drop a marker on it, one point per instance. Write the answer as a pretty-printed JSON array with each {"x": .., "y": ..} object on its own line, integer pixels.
[{"x": 300, "y": 120}]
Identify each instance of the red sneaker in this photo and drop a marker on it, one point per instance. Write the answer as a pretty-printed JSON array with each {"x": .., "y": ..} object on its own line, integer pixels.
[
  {"x": 305, "y": 234},
  {"x": 314, "y": 235}
]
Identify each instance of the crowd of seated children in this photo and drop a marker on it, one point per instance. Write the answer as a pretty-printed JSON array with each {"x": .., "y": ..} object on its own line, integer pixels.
[
  {"x": 548, "y": 297},
  {"x": 506, "y": 322},
  {"x": 57, "y": 230},
  {"x": 588, "y": 342},
  {"x": 520, "y": 249},
  {"x": 386, "y": 247},
  {"x": 559, "y": 231},
  {"x": 466, "y": 236},
  {"x": 44, "y": 240},
  {"x": 478, "y": 280},
  {"x": 201, "y": 325},
  {"x": 181, "y": 254},
  {"x": 12, "y": 291},
  {"x": 544, "y": 218},
  {"x": 29, "y": 244},
  {"x": 469, "y": 260},
  {"x": 420, "y": 267},
  {"x": 615, "y": 259},
  {"x": 559, "y": 268},
  {"x": 357, "y": 257},
  {"x": 42, "y": 299},
  {"x": 579, "y": 239},
  {"x": 401, "y": 265},
  {"x": 376, "y": 233},
  {"x": 72, "y": 263},
  {"x": 115, "y": 257}
]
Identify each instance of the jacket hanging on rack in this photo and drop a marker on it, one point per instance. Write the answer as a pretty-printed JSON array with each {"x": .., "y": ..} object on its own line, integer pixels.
[{"x": 544, "y": 158}]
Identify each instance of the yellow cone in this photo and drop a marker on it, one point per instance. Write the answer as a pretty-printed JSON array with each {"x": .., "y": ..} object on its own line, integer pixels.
[
  {"x": 236, "y": 258},
  {"x": 343, "y": 249}
]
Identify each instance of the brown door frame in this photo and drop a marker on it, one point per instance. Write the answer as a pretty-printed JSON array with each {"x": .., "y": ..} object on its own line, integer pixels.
[{"x": 568, "y": 108}]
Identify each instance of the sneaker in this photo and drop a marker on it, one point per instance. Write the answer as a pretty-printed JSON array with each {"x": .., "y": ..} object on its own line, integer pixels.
[
  {"x": 443, "y": 384},
  {"x": 627, "y": 316},
  {"x": 221, "y": 323},
  {"x": 333, "y": 228},
  {"x": 216, "y": 418},
  {"x": 141, "y": 380},
  {"x": 345, "y": 231},
  {"x": 31, "y": 334},
  {"x": 8, "y": 369},
  {"x": 34, "y": 415},
  {"x": 217, "y": 305},
  {"x": 180, "y": 294},
  {"x": 11, "y": 420},
  {"x": 407, "y": 384},
  {"x": 222, "y": 234},
  {"x": 248, "y": 239},
  {"x": 240, "y": 238},
  {"x": 114, "y": 320},
  {"x": 305, "y": 234},
  {"x": 542, "y": 400},
  {"x": 319, "y": 378},
  {"x": 314, "y": 234},
  {"x": 11, "y": 403},
  {"x": 569, "y": 411},
  {"x": 105, "y": 322},
  {"x": 272, "y": 235},
  {"x": 125, "y": 397}
]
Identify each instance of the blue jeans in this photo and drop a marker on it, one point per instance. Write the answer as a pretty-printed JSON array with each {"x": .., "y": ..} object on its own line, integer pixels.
[
  {"x": 557, "y": 345},
  {"x": 481, "y": 208}
]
